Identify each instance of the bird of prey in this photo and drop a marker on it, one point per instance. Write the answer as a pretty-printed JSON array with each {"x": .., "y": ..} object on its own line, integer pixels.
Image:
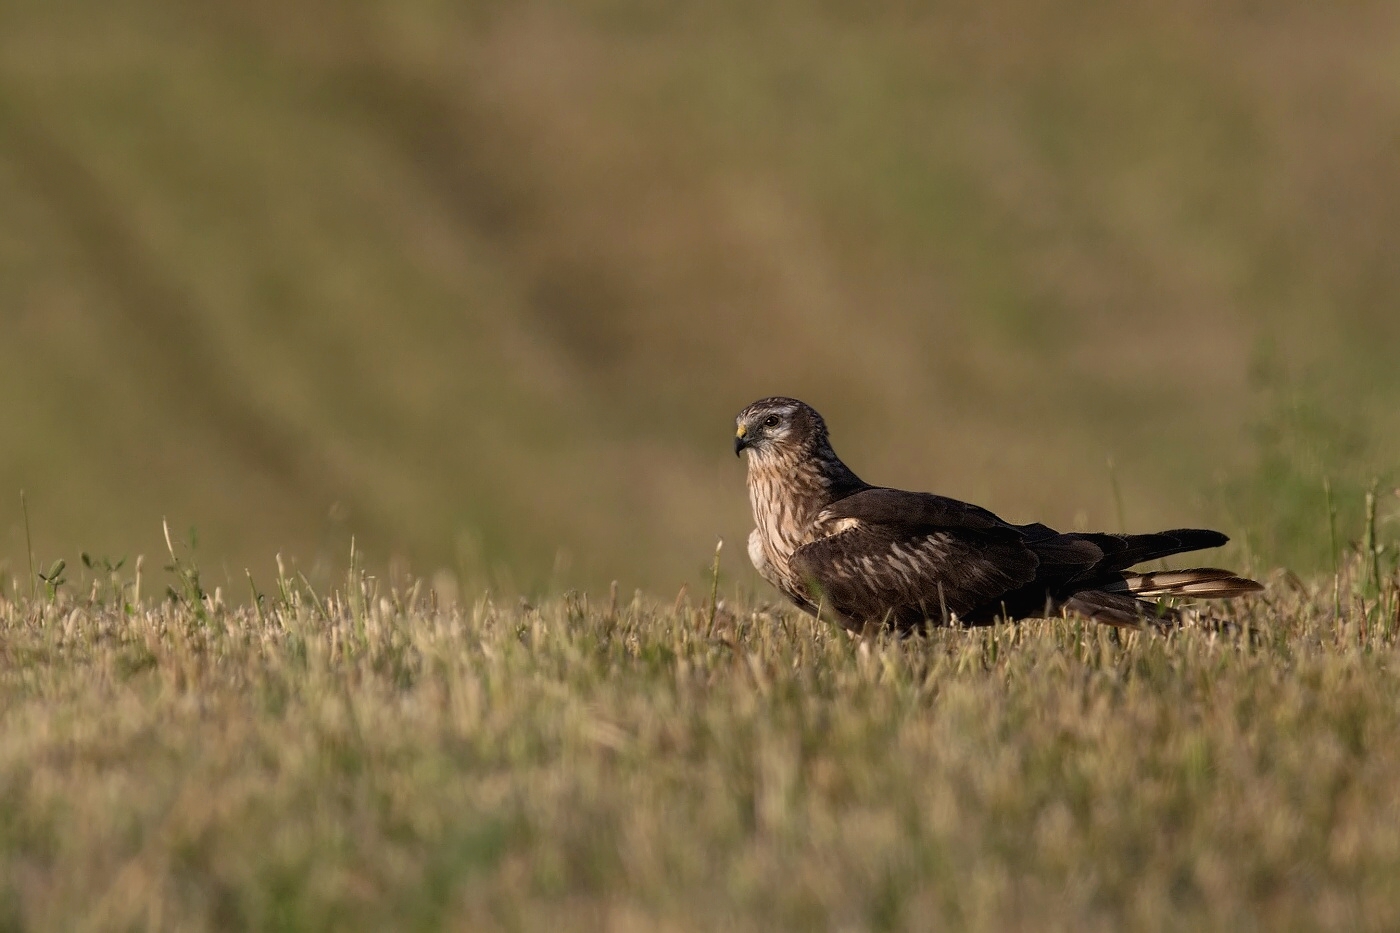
[{"x": 872, "y": 557}]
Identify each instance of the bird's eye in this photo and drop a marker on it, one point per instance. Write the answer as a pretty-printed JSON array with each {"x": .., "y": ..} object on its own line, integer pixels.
[{"x": 771, "y": 421}]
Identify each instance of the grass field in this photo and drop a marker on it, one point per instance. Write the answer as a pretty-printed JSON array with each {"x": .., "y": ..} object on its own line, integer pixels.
[
  {"x": 480, "y": 286},
  {"x": 382, "y": 757}
]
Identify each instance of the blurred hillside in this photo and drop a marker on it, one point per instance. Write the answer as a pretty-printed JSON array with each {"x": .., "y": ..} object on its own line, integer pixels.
[{"x": 483, "y": 284}]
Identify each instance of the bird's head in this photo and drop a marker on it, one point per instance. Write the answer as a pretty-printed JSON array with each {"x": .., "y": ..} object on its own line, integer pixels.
[{"x": 778, "y": 427}]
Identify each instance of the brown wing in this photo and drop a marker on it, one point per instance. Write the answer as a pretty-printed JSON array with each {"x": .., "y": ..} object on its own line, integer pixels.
[
  {"x": 904, "y": 558},
  {"x": 881, "y": 505}
]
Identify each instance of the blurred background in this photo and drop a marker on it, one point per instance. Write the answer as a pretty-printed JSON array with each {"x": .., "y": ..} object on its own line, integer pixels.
[{"x": 483, "y": 284}]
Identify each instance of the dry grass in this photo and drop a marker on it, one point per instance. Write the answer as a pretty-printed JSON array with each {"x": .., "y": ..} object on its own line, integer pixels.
[{"x": 370, "y": 759}]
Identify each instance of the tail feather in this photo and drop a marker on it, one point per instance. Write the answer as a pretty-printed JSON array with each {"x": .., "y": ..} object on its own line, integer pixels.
[
  {"x": 1130, "y": 600},
  {"x": 1198, "y": 583},
  {"x": 1095, "y": 579}
]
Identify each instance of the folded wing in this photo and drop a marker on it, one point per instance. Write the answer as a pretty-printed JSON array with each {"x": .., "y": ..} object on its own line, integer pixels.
[
  {"x": 904, "y": 557},
  {"x": 901, "y": 558}
]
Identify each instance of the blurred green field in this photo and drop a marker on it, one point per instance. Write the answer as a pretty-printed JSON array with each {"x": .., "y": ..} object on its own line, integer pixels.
[
  {"x": 365, "y": 758},
  {"x": 482, "y": 284}
]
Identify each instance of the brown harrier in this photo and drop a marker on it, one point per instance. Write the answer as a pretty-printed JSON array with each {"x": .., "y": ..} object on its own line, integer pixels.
[{"x": 863, "y": 554}]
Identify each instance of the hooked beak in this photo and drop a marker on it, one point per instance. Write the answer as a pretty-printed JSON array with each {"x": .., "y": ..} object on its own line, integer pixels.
[{"x": 741, "y": 440}]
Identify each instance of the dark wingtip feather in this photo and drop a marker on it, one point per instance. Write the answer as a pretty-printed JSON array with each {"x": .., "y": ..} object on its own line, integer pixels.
[
  {"x": 1198, "y": 539},
  {"x": 1123, "y": 551}
]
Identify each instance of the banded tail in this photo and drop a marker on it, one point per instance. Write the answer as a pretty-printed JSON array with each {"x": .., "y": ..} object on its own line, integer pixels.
[
  {"x": 1199, "y": 583},
  {"x": 1114, "y": 594}
]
